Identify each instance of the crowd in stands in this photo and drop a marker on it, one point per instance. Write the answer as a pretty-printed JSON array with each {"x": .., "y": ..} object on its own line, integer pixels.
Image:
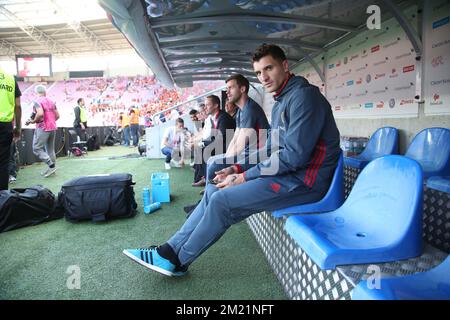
[{"x": 107, "y": 97}]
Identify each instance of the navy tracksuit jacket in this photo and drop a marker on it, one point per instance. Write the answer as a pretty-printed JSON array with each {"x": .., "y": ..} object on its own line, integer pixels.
[{"x": 308, "y": 139}]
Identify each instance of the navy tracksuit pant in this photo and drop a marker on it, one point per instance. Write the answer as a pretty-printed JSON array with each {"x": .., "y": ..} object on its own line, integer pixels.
[{"x": 219, "y": 209}]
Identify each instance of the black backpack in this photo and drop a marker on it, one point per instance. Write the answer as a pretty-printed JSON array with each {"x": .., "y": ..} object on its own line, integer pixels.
[{"x": 27, "y": 207}]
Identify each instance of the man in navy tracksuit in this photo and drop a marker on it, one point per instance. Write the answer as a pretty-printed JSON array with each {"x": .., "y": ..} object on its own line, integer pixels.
[{"x": 298, "y": 169}]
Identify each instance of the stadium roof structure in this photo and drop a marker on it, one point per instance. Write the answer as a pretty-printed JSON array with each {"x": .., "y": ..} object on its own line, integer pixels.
[
  {"x": 187, "y": 40},
  {"x": 59, "y": 27}
]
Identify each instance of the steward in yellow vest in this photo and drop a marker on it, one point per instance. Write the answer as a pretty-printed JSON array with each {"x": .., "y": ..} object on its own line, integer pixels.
[
  {"x": 80, "y": 122},
  {"x": 9, "y": 109}
]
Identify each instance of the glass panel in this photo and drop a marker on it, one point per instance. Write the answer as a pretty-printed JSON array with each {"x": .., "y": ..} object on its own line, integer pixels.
[{"x": 321, "y": 23}]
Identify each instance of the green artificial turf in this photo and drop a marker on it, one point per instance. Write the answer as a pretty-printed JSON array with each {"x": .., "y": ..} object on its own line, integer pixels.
[{"x": 34, "y": 261}]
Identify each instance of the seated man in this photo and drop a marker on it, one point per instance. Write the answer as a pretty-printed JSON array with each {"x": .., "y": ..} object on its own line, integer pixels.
[
  {"x": 197, "y": 131},
  {"x": 231, "y": 109},
  {"x": 302, "y": 155},
  {"x": 251, "y": 122},
  {"x": 193, "y": 114},
  {"x": 216, "y": 126},
  {"x": 172, "y": 144}
]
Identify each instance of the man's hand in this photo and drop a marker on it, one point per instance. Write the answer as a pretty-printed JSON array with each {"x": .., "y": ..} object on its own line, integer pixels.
[
  {"x": 232, "y": 180},
  {"x": 222, "y": 174},
  {"x": 82, "y": 126},
  {"x": 17, "y": 132}
]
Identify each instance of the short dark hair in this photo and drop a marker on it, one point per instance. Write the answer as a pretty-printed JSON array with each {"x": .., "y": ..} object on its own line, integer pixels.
[
  {"x": 192, "y": 112},
  {"x": 79, "y": 100},
  {"x": 215, "y": 99},
  {"x": 179, "y": 120},
  {"x": 240, "y": 80},
  {"x": 269, "y": 49}
]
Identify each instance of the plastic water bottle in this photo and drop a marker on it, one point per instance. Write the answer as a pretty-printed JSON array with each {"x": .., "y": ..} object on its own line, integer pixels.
[
  {"x": 146, "y": 196},
  {"x": 152, "y": 207}
]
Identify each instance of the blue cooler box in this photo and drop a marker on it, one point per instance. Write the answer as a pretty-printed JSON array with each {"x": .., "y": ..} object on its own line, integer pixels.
[{"x": 160, "y": 187}]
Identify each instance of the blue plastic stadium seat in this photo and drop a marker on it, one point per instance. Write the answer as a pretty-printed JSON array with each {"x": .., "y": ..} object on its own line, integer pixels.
[
  {"x": 431, "y": 148},
  {"x": 380, "y": 221},
  {"x": 439, "y": 183},
  {"x": 431, "y": 285},
  {"x": 383, "y": 142},
  {"x": 331, "y": 201}
]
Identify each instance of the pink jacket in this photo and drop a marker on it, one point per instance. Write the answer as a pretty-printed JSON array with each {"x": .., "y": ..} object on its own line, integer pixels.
[{"x": 49, "y": 121}]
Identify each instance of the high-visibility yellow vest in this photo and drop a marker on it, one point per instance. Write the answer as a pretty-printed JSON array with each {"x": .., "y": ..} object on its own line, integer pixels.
[
  {"x": 83, "y": 115},
  {"x": 134, "y": 117},
  {"x": 125, "y": 121},
  {"x": 7, "y": 97}
]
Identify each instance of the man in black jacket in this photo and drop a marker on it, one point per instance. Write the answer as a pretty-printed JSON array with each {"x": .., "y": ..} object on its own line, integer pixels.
[{"x": 216, "y": 143}]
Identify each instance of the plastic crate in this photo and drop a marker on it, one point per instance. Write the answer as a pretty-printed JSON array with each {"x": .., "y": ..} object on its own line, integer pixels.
[{"x": 160, "y": 187}]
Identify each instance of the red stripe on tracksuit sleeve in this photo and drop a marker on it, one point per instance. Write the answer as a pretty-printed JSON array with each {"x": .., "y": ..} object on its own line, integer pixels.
[
  {"x": 307, "y": 178},
  {"x": 238, "y": 168},
  {"x": 316, "y": 171},
  {"x": 316, "y": 163}
]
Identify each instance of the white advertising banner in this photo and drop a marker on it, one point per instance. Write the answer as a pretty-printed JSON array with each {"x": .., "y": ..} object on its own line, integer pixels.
[
  {"x": 307, "y": 71},
  {"x": 437, "y": 57},
  {"x": 374, "y": 74}
]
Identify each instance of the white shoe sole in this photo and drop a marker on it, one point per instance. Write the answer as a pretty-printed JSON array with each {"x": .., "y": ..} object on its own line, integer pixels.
[
  {"x": 49, "y": 174},
  {"x": 147, "y": 265}
]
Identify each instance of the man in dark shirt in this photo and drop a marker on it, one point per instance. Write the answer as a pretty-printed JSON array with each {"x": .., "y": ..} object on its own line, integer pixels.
[
  {"x": 251, "y": 122},
  {"x": 231, "y": 109}
]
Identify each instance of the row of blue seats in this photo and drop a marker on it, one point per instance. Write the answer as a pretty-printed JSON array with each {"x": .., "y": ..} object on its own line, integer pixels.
[
  {"x": 380, "y": 221},
  {"x": 430, "y": 147}
]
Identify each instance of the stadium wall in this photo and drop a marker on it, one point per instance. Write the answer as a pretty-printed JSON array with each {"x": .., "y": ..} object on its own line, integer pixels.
[{"x": 371, "y": 84}]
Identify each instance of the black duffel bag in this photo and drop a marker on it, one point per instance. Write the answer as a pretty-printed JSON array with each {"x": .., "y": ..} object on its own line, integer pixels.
[
  {"x": 98, "y": 198},
  {"x": 93, "y": 143},
  {"x": 27, "y": 207}
]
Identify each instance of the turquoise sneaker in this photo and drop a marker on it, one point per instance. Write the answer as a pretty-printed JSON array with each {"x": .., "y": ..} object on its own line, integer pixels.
[{"x": 149, "y": 258}]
